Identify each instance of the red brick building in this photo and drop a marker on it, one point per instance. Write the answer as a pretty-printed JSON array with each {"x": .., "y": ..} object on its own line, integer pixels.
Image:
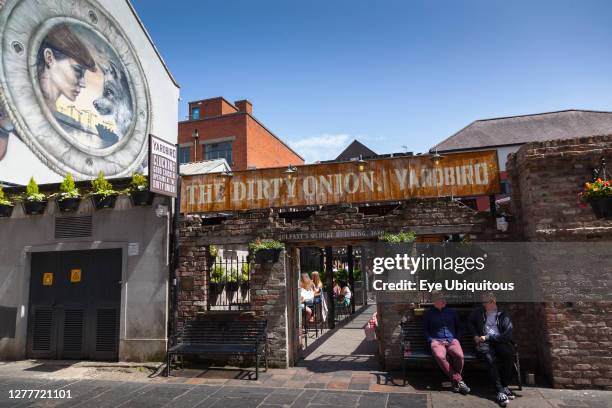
[{"x": 218, "y": 129}]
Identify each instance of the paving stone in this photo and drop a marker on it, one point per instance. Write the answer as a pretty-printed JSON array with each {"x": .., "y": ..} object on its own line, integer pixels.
[
  {"x": 341, "y": 399},
  {"x": 407, "y": 401}
]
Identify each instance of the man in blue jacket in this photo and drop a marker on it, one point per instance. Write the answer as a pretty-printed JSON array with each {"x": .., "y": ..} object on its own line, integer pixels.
[
  {"x": 443, "y": 329},
  {"x": 492, "y": 331}
]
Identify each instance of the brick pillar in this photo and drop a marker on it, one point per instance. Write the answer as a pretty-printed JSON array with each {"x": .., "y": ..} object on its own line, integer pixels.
[{"x": 269, "y": 301}]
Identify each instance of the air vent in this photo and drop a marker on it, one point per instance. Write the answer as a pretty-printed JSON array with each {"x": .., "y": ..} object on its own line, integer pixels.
[
  {"x": 73, "y": 227},
  {"x": 107, "y": 330},
  {"x": 43, "y": 322},
  {"x": 73, "y": 331}
]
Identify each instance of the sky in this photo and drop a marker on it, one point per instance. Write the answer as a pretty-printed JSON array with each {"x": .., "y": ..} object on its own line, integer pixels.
[{"x": 398, "y": 75}]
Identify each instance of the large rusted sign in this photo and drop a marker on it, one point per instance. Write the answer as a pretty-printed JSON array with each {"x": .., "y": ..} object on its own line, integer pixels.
[{"x": 399, "y": 178}]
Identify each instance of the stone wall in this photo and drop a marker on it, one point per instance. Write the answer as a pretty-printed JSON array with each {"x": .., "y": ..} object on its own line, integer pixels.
[
  {"x": 269, "y": 301},
  {"x": 573, "y": 344},
  {"x": 336, "y": 223}
]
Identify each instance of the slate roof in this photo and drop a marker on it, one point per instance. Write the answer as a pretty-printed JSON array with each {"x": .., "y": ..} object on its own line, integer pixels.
[
  {"x": 514, "y": 130},
  {"x": 204, "y": 167},
  {"x": 353, "y": 151}
]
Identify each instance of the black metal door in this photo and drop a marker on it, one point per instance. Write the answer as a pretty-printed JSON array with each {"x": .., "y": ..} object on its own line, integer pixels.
[{"x": 74, "y": 305}]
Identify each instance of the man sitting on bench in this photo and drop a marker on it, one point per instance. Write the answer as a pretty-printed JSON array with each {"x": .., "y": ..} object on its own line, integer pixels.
[
  {"x": 492, "y": 331},
  {"x": 442, "y": 330}
]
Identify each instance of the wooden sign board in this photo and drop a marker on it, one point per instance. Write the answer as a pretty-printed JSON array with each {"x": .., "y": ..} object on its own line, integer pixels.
[{"x": 400, "y": 178}]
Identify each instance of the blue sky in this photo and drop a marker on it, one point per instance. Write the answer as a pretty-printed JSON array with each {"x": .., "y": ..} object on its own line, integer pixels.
[{"x": 390, "y": 73}]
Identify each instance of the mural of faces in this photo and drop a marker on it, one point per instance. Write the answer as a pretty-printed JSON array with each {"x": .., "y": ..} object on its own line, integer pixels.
[
  {"x": 74, "y": 88},
  {"x": 83, "y": 84}
]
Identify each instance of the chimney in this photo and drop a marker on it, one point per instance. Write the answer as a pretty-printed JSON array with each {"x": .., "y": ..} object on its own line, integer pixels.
[{"x": 244, "y": 106}]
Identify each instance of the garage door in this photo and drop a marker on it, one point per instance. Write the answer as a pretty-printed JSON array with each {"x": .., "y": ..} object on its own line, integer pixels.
[{"x": 74, "y": 305}]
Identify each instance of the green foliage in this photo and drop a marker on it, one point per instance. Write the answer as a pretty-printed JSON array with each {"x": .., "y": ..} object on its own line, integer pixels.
[
  {"x": 102, "y": 186},
  {"x": 246, "y": 271},
  {"x": 232, "y": 276},
  {"x": 409, "y": 236},
  {"x": 260, "y": 244},
  {"x": 217, "y": 274},
  {"x": 139, "y": 182},
  {"x": 213, "y": 250},
  {"x": 68, "y": 188},
  {"x": 3, "y": 198},
  {"x": 342, "y": 275},
  {"x": 32, "y": 193}
]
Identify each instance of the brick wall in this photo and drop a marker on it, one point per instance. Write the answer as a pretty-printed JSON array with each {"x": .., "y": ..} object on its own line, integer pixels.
[
  {"x": 252, "y": 145},
  {"x": 574, "y": 344}
]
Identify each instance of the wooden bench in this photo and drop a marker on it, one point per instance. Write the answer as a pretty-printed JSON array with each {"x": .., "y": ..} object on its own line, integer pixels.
[
  {"x": 412, "y": 334},
  {"x": 221, "y": 337}
]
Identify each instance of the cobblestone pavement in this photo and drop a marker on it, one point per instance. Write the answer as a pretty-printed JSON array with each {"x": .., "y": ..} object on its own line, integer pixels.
[
  {"x": 339, "y": 370},
  {"x": 102, "y": 394}
]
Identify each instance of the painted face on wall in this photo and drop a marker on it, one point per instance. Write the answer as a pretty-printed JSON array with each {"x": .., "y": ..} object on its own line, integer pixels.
[{"x": 62, "y": 75}]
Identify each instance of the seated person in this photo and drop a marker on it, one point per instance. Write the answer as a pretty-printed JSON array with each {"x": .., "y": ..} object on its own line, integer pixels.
[
  {"x": 492, "y": 331},
  {"x": 317, "y": 285},
  {"x": 336, "y": 288},
  {"x": 442, "y": 329},
  {"x": 344, "y": 296},
  {"x": 306, "y": 295}
]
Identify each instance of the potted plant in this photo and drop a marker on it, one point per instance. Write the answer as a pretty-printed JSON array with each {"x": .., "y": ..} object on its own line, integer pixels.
[
  {"x": 139, "y": 190},
  {"x": 407, "y": 236},
  {"x": 103, "y": 195},
  {"x": 599, "y": 194},
  {"x": 69, "y": 197},
  {"x": 245, "y": 276},
  {"x": 266, "y": 250},
  {"x": 6, "y": 206},
  {"x": 231, "y": 281},
  {"x": 34, "y": 201},
  {"x": 217, "y": 275}
]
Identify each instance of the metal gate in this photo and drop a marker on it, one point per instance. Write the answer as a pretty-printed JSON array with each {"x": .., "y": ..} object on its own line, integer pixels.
[{"x": 74, "y": 305}]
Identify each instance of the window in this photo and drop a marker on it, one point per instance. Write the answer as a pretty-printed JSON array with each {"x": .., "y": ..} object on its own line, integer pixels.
[
  {"x": 218, "y": 151},
  {"x": 183, "y": 154},
  {"x": 195, "y": 113}
]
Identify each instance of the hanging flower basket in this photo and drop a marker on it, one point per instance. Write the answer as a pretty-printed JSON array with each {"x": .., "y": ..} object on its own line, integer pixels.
[
  {"x": 34, "y": 207},
  {"x": 267, "y": 255},
  {"x": 142, "y": 198},
  {"x": 266, "y": 250},
  {"x": 69, "y": 204},
  {"x": 599, "y": 195},
  {"x": 101, "y": 201},
  {"x": 602, "y": 207},
  {"x": 6, "y": 210}
]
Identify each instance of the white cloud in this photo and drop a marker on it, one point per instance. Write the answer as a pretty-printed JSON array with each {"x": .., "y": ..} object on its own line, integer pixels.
[{"x": 321, "y": 147}]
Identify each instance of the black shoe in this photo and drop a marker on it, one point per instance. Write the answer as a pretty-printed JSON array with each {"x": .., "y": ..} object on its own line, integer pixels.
[
  {"x": 502, "y": 399},
  {"x": 509, "y": 393},
  {"x": 461, "y": 388}
]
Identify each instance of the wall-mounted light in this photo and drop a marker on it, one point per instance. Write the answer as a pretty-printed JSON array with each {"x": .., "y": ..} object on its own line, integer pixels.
[
  {"x": 290, "y": 171},
  {"x": 361, "y": 163},
  {"x": 436, "y": 157}
]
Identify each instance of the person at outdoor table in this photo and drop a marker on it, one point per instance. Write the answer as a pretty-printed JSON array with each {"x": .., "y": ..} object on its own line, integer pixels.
[
  {"x": 317, "y": 284},
  {"x": 492, "y": 331},
  {"x": 335, "y": 288},
  {"x": 306, "y": 295},
  {"x": 344, "y": 295},
  {"x": 442, "y": 329}
]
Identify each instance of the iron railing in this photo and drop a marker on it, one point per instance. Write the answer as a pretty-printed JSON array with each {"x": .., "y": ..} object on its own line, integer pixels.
[{"x": 229, "y": 284}]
